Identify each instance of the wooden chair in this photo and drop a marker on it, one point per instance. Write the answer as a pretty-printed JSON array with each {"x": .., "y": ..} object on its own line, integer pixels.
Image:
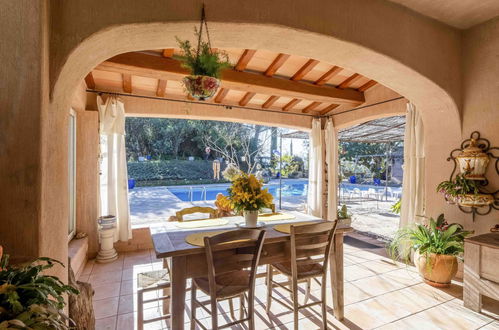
[
  {"x": 152, "y": 281},
  {"x": 307, "y": 241},
  {"x": 223, "y": 282},
  {"x": 196, "y": 209}
]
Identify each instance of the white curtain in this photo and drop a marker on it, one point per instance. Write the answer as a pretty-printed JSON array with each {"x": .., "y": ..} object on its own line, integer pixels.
[
  {"x": 413, "y": 191},
  {"x": 113, "y": 167},
  {"x": 332, "y": 170},
  {"x": 315, "y": 173}
]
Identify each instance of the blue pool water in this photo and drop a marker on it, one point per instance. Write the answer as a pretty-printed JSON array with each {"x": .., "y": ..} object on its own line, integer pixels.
[
  {"x": 298, "y": 188},
  {"x": 198, "y": 193}
]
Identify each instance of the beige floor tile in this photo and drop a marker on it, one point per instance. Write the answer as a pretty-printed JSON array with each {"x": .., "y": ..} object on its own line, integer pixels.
[
  {"x": 106, "y": 290},
  {"x": 105, "y": 307},
  {"x": 109, "y": 277},
  {"x": 403, "y": 276},
  {"x": 88, "y": 267},
  {"x": 356, "y": 272},
  {"x": 368, "y": 314},
  {"x": 116, "y": 265},
  {"x": 376, "y": 285},
  {"x": 491, "y": 326},
  {"x": 108, "y": 323},
  {"x": 131, "y": 273},
  {"x": 381, "y": 266},
  {"x": 128, "y": 303}
]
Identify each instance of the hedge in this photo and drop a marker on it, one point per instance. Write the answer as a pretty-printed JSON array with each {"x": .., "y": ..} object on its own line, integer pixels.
[{"x": 170, "y": 170}]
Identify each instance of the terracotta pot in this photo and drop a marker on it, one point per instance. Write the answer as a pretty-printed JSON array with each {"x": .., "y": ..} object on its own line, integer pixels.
[
  {"x": 471, "y": 200},
  {"x": 438, "y": 269},
  {"x": 201, "y": 87}
]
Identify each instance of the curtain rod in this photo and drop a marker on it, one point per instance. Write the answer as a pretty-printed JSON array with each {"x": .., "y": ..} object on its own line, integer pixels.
[
  {"x": 364, "y": 106},
  {"x": 194, "y": 102}
]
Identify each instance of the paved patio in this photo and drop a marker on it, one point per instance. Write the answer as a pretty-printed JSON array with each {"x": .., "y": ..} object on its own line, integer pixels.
[
  {"x": 150, "y": 205},
  {"x": 378, "y": 295}
]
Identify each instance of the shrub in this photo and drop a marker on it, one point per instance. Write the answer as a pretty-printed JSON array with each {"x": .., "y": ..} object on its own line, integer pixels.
[{"x": 170, "y": 170}]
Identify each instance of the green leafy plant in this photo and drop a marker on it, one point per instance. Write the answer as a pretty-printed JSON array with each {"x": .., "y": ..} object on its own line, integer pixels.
[
  {"x": 29, "y": 299},
  {"x": 203, "y": 61},
  {"x": 436, "y": 237},
  {"x": 395, "y": 208},
  {"x": 343, "y": 212},
  {"x": 458, "y": 186}
]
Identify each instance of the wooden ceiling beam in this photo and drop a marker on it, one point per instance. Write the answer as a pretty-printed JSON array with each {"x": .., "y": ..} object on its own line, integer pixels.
[
  {"x": 127, "y": 82},
  {"x": 311, "y": 107},
  {"x": 161, "y": 89},
  {"x": 89, "y": 80},
  {"x": 168, "y": 52},
  {"x": 328, "y": 75},
  {"x": 145, "y": 65},
  {"x": 222, "y": 93},
  {"x": 291, "y": 104},
  {"x": 328, "y": 109},
  {"x": 349, "y": 81},
  {"x": 367, "y": 85},
  {"x": 246, "y": 98},
  {"x": 306, "y": 68},
  {"x": 243, "y": 61},
  {"x": 276, "y": 64},
  {"x": 271, "y": 100}
]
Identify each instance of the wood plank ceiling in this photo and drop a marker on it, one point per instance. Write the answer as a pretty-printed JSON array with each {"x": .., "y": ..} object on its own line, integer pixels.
[{"x": 259, "y": 79}]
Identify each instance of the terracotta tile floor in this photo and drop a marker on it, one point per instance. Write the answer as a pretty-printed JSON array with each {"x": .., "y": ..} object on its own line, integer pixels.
[{"x": 378, "y": 294}]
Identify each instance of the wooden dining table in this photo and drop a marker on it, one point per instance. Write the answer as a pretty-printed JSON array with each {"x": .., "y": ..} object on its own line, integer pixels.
[{"x": 189, "y": 261}]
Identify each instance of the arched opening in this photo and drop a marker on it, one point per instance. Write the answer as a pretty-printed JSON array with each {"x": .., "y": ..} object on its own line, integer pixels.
[{"x": 439, "y": 110}]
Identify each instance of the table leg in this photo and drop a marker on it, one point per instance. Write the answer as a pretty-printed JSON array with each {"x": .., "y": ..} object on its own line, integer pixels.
[
  {"x": 336, "y": 270},
  {"x": 178, "y": 292}
]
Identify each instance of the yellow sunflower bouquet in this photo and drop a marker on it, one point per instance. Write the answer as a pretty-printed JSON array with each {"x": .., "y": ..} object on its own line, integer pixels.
[{"x": 247, "y": 194}]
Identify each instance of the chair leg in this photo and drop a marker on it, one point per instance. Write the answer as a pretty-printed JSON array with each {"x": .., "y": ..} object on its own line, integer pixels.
[
  {"x": 241, "y": 306},
  {"x": 294, "y": 295},
  {"x": 251, "y": 310},
  {"x": 214, "y": 313},
  {"x": 324, "y": 303},
  {"x": 231, "y": 308},
  {"x": 269, "y": 287},
  {"x": 307, "y": 294},
  {"x": 140, "y": 310},
  {"x": 193, "y": 306}
]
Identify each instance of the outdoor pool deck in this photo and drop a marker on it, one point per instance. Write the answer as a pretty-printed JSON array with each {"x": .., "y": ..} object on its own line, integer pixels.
[{"x": 152, "y": 205}]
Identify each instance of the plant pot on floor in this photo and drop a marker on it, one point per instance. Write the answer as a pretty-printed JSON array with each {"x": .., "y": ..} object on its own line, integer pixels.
[
  {"x": 250, "y": 218},
  {"x": 436, "y": 269}
]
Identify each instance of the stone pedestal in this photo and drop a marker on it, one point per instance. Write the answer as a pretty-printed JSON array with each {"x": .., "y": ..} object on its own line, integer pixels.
[{"x": 107, "y": 253}]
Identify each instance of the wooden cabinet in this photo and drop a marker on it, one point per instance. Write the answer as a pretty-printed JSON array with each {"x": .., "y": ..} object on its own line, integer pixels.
[{"x": 481, "y": 269}]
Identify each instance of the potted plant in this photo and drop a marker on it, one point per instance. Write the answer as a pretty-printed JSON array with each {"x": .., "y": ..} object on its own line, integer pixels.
[
  {"x": 343, "y": 216},
  {"x": 464, "y": 192},
  {"x": 248, "y": 196},
  {"x": 436, "y": 246},
  {"x": 30, "y": 300},
  {"x": 205, "y": 65},
  {"x": 397, "y": 207}
]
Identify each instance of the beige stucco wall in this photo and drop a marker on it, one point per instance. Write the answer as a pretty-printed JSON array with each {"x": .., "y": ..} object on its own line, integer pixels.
[{"x": 481, "y": 103}]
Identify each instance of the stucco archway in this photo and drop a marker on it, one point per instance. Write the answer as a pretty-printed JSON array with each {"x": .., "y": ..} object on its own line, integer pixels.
[{"x": 439, "y": 109}]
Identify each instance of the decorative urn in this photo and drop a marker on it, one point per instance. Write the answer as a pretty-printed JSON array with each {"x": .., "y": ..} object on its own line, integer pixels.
[
  {"x": 473, "y": 161},
  {"x": 201, "y": 87}
]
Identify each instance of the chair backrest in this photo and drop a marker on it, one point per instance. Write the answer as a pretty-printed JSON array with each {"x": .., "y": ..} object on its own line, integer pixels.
[
  {"x": 311, "y": 240},
  {"x": 196, "y": 209},
  {"x": 222, "y": 255}
]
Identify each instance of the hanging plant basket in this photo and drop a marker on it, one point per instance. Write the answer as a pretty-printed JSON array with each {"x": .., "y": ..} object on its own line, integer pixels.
[
  {"x": 201, "y": 87},
  {"x": 474, "y": 200},
  {"x": 203, "y": 62}
]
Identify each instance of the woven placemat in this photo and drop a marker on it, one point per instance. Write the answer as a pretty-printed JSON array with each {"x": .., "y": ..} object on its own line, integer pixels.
[
  {"x": 202, "y": 223},
  {"x": 286, "y": 227},
  {"x": 198, "y": 238},
  {"x": 275, "y": 217}
]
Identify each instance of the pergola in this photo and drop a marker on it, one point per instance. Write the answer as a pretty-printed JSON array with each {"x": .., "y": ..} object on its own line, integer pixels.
[{"x": 260, "y": 79}]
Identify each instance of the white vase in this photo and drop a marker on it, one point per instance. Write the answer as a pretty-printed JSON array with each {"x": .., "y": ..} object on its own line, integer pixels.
[{"x": 251, "y": 218}]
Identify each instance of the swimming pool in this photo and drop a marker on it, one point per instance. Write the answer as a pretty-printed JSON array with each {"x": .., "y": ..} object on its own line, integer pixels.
[{"x": 209, "y": 193}]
